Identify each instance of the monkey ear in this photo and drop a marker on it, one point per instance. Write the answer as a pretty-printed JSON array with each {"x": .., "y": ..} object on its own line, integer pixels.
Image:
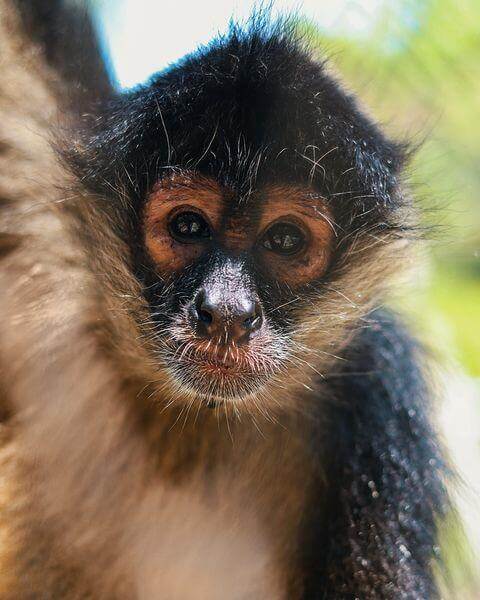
[{"x": 66, "y": 36}]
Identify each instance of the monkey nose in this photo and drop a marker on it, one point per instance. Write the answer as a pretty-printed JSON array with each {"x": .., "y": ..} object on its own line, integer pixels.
[{"x": 225, "y": 320}]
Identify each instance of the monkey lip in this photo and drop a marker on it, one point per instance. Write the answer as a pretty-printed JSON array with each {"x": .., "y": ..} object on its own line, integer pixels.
[
  {"x": 221, "y": 374},
  {"x": 196, "y": 354},
  {"x": 218, "y": 363}
]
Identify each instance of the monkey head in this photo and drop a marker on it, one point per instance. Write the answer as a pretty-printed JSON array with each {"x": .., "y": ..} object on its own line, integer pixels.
[
  {"x": 230, "y": 260},
  {"x": 259, "y": 208}
]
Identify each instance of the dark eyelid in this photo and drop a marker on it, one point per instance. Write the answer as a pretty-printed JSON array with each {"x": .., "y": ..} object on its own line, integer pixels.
[
  {"x": 188, "y": 239},
  {"x": 290, "y": 220},
  {"x": 188, "y": 208},
  {"x": 282, "y": 222}
]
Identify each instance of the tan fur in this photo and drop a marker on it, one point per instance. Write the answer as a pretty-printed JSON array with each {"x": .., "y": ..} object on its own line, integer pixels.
[{"x": 106, "y": 491}]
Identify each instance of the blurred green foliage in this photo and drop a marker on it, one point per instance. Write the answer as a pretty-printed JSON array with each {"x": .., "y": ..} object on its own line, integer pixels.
[{"x": 419, "y": 71}]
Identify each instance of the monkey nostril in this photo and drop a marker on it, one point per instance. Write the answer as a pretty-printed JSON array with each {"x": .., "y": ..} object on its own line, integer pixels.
[
  {"x": 254, "y": 320},
  {"x": 201, "y": 314},
  {"x": 204, "y": 316},
  {"x": 250, "y": 322}
]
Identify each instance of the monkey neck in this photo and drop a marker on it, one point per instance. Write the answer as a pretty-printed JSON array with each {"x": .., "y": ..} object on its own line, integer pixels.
[
  {"x": 203, "y": 442},
  {"x": 255, "y": 472}
]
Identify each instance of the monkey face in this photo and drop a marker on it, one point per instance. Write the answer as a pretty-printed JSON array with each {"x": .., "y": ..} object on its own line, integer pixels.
[
  {"x": 231, "y": 264},
  {"x": 258, "y": 211}
]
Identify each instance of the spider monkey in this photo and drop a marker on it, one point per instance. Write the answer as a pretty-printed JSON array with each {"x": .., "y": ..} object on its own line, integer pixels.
[{"x": 201, "y": 397}]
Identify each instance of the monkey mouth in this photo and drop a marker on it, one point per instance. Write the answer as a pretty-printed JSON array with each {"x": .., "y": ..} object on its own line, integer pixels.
[
  {"x": 213, "y": 362},
  {"x": 219, "y": 375}
]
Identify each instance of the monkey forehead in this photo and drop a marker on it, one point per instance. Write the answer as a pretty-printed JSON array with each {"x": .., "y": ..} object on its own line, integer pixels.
[
  {"x": 182, "y": 184},
  {"x": 240, "y": 211},
  {"x": 254, "y": 107}
]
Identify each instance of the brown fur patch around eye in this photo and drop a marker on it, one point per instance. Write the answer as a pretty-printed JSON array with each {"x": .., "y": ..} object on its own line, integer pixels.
[
  {"x": 191, "y": 192},
  {"x": 304, "y": 208}
]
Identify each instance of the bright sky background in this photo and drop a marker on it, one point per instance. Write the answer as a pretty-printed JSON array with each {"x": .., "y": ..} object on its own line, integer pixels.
[{"x": 144, "y": 36}]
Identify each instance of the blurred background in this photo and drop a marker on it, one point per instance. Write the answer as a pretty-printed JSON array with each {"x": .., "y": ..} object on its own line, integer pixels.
[{"x": 416, "y": 66}]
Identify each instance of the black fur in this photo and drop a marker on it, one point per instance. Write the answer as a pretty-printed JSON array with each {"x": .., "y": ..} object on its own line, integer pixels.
[
  {"x": 66, "y": 35},
  {"x": 191, "y": 115},
  {"x": 377, "y": 535},
  {"x": 248, "y": 109}
]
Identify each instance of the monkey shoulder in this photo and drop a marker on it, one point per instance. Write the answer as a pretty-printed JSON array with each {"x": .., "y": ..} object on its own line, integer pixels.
[{"x": 384, "y": 469}]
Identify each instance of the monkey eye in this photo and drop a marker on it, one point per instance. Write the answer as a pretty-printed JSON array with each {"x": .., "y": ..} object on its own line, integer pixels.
[
  {"x": 189, "y": 227},
  {"x": 284, "y": 238}
]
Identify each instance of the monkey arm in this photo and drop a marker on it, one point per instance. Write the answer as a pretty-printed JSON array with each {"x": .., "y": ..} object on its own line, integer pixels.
[
  {"x": 65, "y": 35},
  {"x": 385, "y": 464}
]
